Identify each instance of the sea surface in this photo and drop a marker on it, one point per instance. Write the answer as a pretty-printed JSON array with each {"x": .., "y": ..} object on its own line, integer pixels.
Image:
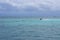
[{"x": 29, "y": 29}]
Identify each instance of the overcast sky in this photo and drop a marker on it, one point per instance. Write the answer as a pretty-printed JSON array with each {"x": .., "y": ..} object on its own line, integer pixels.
[{"x": 29, "y": 7}]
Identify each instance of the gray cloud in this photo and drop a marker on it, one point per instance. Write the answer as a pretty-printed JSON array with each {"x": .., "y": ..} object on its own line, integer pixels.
[{"x": 39, "y": 4}]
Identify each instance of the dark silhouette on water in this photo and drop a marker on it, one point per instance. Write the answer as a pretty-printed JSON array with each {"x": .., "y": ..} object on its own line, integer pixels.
[{"x": 40, "y": 18}]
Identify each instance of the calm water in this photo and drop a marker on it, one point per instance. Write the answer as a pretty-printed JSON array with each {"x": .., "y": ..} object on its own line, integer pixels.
[{"x": 29, "y": 29}]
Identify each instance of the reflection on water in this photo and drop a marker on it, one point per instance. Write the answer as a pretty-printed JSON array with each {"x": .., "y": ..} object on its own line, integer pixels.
[{"x": 24, "y": 29}]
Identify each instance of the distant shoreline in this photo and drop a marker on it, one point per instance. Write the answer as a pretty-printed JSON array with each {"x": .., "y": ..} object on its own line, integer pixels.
[{"x": 30, "y": 17}]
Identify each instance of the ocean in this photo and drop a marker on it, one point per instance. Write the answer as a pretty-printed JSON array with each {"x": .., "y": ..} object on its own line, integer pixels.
[{"x": 29, "y": 29}]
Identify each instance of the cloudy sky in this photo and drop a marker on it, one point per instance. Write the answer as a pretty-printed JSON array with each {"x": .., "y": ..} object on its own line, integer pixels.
[{"x": 29, "y": 7}]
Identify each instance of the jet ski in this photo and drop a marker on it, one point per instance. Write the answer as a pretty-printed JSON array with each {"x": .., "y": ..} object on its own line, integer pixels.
[{"x": 40, "y": 18}]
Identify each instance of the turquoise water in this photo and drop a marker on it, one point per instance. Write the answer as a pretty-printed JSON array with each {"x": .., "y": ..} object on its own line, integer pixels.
[{"x": 29, "y": 29}]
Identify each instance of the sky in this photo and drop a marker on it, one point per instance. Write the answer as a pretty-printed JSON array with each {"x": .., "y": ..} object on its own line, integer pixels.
[{"x": 29, "y": 7}]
